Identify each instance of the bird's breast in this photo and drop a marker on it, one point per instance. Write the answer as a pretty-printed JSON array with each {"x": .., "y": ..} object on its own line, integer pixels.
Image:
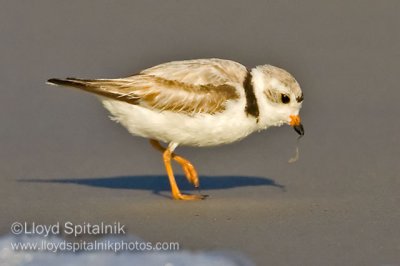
[{"x": 194, "y": 130}]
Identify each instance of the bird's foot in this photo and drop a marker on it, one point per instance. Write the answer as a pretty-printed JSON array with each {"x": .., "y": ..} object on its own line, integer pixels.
[
  {"x": 191, "y": 174},
  {"x": 188, "y": 169},
  {"x": 180, "y": 196}
]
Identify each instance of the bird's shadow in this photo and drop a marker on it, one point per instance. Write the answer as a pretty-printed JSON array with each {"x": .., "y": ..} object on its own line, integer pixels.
[{"x": 159, "y": 183}]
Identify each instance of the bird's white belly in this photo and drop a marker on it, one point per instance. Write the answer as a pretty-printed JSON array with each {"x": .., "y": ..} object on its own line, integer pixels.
[{"x": 197, "y": 130}]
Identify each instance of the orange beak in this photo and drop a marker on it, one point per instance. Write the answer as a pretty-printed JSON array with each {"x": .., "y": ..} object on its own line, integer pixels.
[{"x": 295, "y": 122}]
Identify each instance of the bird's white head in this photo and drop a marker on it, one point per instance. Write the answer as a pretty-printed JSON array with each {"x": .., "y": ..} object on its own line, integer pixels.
[{"x": 279, "y": 97}]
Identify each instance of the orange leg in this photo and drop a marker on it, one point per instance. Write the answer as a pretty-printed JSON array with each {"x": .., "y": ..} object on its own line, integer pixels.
[
  {"x": 176, "y": 194},
  {"x": 187, "y": 167}
]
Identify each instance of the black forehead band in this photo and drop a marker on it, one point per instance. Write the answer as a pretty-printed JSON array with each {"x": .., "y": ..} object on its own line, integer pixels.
[{"x": 300, "y": 99}]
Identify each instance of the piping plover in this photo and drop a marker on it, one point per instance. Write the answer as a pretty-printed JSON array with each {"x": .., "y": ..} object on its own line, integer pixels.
[{"x": 203, "y": 102}]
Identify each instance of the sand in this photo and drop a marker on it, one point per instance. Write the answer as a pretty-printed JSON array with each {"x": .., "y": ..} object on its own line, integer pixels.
[{"x": 62, "y": 159}]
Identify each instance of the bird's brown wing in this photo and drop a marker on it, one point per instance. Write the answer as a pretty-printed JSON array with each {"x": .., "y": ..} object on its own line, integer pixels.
[
  {"x": 200, "y": 71},
  {"x": 159, "y": 94},
  {"x": 190, "y": 87}
]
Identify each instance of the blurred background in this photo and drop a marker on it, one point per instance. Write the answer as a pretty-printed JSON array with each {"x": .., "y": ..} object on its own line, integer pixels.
[{"x": 62, "y": 159}]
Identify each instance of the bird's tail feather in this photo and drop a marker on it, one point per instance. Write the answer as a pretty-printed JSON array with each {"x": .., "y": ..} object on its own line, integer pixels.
[
  {"x": 73, "y": 82},
  {"x": 101, "y": 87}
]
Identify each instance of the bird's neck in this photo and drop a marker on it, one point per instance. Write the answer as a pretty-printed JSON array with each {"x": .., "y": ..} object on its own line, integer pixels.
[{"x": 267, "y": 117}]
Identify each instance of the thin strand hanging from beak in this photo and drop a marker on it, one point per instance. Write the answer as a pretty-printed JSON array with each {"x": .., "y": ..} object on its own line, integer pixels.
[{"x": 297, "y": 153}]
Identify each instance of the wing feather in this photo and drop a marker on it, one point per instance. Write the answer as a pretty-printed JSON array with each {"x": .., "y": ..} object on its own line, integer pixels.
[
  {"x": 190, "y": 87},
  {"x": 200, "y": 71}
]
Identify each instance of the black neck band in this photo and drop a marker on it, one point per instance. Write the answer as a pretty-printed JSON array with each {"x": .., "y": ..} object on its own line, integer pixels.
[{"x": 251, "y": 101}]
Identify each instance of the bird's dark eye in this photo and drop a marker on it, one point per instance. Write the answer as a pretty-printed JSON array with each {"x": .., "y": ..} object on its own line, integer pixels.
[{"x": 285, "y": 98}]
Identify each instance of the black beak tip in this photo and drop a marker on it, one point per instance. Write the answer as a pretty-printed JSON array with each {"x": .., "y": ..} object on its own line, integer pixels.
[{"x": 299, "y": 129}]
